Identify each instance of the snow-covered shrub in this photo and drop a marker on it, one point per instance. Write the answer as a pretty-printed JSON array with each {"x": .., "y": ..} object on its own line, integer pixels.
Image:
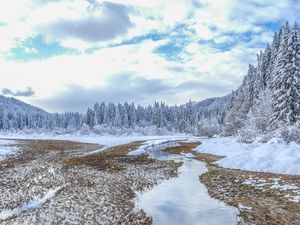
[
  {"x": 84, "y": 130},
  {"x": 228, "y": 130},
  {"x": 258, "y": 118},
  {"x": 264, "y": 138},
  {"x": 248, "y": 134},
  {"x": 289, "y": 133},
  {"x": 208, "y": 127}
]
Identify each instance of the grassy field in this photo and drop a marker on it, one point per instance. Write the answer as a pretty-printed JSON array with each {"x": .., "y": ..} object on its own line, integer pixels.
[{"x": 92, "y": 189}]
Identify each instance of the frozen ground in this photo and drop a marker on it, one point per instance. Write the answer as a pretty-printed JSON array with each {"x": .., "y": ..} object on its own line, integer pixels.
[
  {"x": 33, "y": 204},
  {"x": 7, "y": 148},
  {"x": 107, "y": 141},
  {"x": 292, "y": 191},
  {"x": 262, "y": 198},
  {"x": 274, "y": 156},
  {"x": 51, "y": 183},
  {"x": 36, "y": 187}
]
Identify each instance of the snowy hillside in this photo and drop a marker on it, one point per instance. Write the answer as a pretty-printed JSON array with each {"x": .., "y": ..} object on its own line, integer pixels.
[
  {"x": 12, "y": 104},
  {"x": 15, "y": 114}
]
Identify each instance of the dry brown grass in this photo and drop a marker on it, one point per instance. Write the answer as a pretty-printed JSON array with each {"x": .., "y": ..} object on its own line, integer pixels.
[
  {"x": 267, "y": 207},
  {"x": 110, "y": 159},
  {"x": 47, "y": 150},
  {"x": 46, "y": 146},
  {"x": 96, "y": 187}
]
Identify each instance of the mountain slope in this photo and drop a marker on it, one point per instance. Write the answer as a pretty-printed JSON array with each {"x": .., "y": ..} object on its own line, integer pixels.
[
  {"x": 12, "y": 104},
  {"x": 15, "y": 114}
]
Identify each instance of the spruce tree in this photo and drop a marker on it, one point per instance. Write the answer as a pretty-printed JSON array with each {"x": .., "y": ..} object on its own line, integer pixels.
[{"x": 285, "y": 83}]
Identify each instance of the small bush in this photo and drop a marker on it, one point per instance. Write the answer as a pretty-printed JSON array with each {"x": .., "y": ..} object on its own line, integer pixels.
[{"x": 248, "y": 134}]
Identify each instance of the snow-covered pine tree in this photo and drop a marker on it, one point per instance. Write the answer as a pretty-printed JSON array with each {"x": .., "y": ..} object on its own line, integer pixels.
[
  {"x": 90, "y": 118},
  {"x": 285, "y": 83},
  {"x": 270, "y": 70},
  {"x": 265, "y": 64},
  {"x": 118, "y": 119},
  {"x": 259, "y": 116}
]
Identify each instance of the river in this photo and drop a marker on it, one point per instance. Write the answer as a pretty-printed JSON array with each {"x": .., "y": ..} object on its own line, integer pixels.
[{"x": 183, "y": 200}]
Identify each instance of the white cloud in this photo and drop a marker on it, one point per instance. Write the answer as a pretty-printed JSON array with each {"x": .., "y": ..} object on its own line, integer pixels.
[
  {"x": 52, "y": 77},
  {"x": 49, "y": 76},
  {"x": 211, "y": 20},
  {"x": 212, "y": 23}
]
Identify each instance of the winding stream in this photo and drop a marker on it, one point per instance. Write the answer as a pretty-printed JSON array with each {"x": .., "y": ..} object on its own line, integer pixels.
[{"x": 184, "y": 199}]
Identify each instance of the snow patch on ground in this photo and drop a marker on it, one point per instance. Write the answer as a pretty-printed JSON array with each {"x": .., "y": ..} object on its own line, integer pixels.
[
  {"x": 6, "y": 149},
  {"x": 276, "y": 184},
  {"x": 242, "y": 207},
  {"x": 33, "y": 204},
  {"x": 295, "y": 198},
  {"x": 274, "y": 156},
  {"x": 188, "y": 155},
  {"x": 284, "y": 187}
]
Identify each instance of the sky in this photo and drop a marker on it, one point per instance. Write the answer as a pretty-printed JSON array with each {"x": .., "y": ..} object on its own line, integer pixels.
[{"x": 65, "y": 55}]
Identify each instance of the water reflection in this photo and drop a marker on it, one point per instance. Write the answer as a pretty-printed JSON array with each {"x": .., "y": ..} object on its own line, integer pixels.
[{"x": 184, "y": 200}]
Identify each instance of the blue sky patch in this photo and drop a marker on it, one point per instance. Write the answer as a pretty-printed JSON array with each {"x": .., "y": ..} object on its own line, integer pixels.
[
  {"x": 178, "y": 41},
  {"x": 37, "y": 48},
  {"x": 275, "y": 26},
  {"x": 132, "y": 41},
  {"x": 170, "y": 51},
  {"x": 220, "y": 46}
]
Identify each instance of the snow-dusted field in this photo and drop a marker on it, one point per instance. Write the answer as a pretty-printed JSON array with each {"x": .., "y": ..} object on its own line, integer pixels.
[
  {"x": 49, "y": 184},
  {"x": 7, "y": 149},
  {"x": 37, "y": 187},
  {"x": 275, "y": 184},
  {"x": 107, "y": 140},
  {"x": 274, "y": 156}
]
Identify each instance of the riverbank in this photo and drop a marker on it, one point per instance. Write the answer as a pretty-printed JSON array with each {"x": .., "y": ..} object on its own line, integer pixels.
[{"x": 262, "y": 198}]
